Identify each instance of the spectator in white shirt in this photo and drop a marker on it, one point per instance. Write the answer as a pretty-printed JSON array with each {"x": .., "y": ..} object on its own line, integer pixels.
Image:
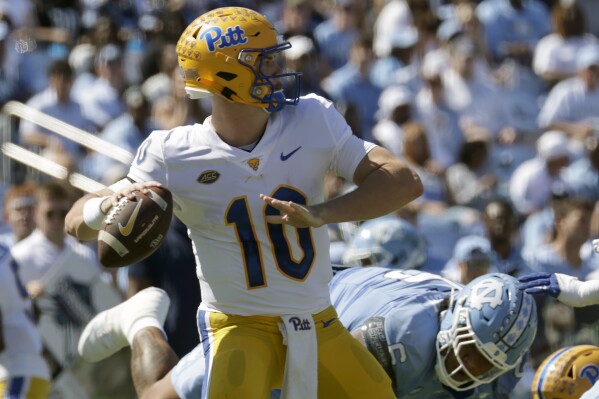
[
  {"x": 395, "y": 105},
  {"x": 534, "y": 180},
  {"x": 555, "y": 54},
  {"x": 572, "y": 105}
]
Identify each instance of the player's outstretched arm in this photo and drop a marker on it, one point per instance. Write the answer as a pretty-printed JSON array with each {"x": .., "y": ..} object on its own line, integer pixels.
[
  {"x": 385, "y": 184},
  {"x": 74, "y": 221},
  {"x": 567, "y": 289},
  {"x": 84, "y": 220}
]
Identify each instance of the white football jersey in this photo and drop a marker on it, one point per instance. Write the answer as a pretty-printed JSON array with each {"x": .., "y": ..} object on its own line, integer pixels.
[
  {"x": 23, "y": 345},
  {"x": 246, "y": 266}
]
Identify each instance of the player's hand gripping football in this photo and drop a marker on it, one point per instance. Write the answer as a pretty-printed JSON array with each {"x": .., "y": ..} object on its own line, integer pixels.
[
  {"x": 128, "y": 192},
  {"x": 291, "y": 213}
]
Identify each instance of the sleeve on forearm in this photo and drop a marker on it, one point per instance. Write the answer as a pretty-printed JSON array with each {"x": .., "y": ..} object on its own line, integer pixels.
[{"x": 577, "y": 293}]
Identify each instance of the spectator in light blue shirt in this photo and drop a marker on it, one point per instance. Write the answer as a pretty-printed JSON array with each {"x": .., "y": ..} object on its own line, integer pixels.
[
  {"x": 513, "y": 27},
  {"x": 350, "y": 86},
  {"x": 127, "y": 131},
  {"x": 583, "y": 175},
  {"x": 563, "y": 253},
  {"x": 335, "y": 35},
  {"x": 402, "y": 49}
]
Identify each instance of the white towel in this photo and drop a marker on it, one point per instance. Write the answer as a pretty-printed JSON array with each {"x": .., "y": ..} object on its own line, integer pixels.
[{"x": 301, "y": 368}]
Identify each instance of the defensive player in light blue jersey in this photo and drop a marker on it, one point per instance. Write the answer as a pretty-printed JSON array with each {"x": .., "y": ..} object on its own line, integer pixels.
[{"x": 435, "y": 338}]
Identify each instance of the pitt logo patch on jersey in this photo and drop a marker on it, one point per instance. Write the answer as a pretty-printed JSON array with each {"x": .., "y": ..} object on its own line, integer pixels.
[
  {"x": 208, "y": 177},
  {"x": 254, "y": 163},
  {"x": 232, "y": 37}
]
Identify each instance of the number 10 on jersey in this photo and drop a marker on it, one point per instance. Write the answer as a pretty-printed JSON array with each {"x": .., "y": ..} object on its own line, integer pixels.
[{"x": 239, "y": 216}]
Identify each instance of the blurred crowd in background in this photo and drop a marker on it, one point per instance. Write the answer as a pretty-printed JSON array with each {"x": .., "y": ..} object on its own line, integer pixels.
[{"x": 495, "y": 104}]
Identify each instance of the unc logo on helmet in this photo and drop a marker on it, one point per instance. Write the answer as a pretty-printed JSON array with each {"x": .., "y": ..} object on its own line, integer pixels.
[
  {"x": 492, "y": 317},
  {"x": 232, "y": 37},
  {"x": 487, "y": 292}
]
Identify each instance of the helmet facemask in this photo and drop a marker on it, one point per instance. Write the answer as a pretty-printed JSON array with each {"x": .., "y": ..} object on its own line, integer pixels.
[
  {"x": 462, "y": 360},
  {"x": 485, "y": 332},
  {"x": 260, "y": 61}
]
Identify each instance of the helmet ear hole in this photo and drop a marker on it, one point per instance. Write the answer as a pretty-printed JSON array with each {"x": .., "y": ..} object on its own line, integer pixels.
[
  {"x": 226, "y": 75},
  {"x": 196, "y": 32}
]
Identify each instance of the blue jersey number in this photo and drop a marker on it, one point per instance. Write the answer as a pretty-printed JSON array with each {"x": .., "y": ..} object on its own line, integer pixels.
[{"x": 238, "y": 214}]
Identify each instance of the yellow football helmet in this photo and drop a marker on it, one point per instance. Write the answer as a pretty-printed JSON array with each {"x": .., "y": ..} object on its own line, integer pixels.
[
  {"x": 225, "y": 51},
  {"x": 567, "y": 373}
]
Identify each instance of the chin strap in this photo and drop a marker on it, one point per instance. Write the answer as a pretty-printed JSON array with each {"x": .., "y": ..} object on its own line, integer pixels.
[{"x": 275, "y": 101}]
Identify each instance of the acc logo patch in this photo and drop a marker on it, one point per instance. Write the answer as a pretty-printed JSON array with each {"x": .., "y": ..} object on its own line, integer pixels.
[
  {"x": 208, "y": 177},
  {"x": 254, "y": 163}
]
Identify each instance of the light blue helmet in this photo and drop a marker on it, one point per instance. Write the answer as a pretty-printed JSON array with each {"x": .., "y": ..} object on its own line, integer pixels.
[
  {"x": 492, "y": 315},
  {"x": 387, "y": 242}
]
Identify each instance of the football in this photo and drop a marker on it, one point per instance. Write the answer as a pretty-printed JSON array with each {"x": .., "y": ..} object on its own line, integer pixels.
[{"x": 134, "y": 229}]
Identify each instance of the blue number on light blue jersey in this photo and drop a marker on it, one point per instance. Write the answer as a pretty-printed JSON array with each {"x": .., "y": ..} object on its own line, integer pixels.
[
  {"x": 276, "y": 232},
  {"x": 238, "y": 214}
]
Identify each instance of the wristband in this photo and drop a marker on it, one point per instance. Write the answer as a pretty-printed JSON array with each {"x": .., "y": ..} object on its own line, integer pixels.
[{"x": 92, "y": 212}]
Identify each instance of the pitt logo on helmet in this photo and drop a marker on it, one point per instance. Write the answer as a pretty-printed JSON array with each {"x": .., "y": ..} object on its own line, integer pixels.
[{"x": 232, "y": 37}]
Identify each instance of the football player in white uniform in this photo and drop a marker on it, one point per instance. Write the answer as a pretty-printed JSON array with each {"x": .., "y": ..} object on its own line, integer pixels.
[
  {"x": 23, "y": 371},
  {"x": 249, "y": 185},
  {"x": 578, "y": 366}
]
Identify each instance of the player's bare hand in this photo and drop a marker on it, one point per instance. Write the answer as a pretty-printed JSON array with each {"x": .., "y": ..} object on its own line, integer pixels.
[
  {"x": 128, "y": 192},
  {"x": 35, "y": 289},
  {"x": 291, "y": 213}
]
